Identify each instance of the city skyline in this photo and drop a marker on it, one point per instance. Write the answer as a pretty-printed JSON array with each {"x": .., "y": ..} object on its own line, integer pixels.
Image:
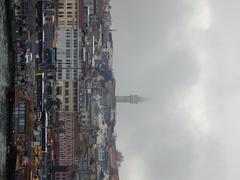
[{"x": 110, "y": 90}]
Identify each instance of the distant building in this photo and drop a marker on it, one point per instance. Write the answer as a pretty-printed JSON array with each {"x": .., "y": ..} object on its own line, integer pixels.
[
  {"x": 68, "y": 67},
  {"x": 68, "y": 64},
  {"x": 67, "y": 94},
  {"x": 66, "y": 139},
  {"x": 112, "y": 153},
  {"x": 67, "y": 13},
  {"x": 85, "y": 118},
  {"x": 21, "y": 114},
  {"x": 132, "y": 99},
  {"x": 67, "y": 53}
]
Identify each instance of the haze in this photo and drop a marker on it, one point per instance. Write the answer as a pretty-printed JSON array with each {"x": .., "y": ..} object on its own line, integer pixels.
[{"x": 184, "y": 56}]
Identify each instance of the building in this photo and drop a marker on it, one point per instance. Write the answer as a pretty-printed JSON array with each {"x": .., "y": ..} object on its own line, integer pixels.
[
  {"x": 21, "y": 114},
  {"x": 112, "y": 153},
  {"x": 67, "y": 94},
  {"x": 85, "y": 118},
  {"x": 67, "y": 13},
  {"x": 132, "y": 99},
  {"x": 68, "y": 53},
  {"x": 69, "y": 40},
  {"x": 68, "y": 67},
  {"x": 66, "y": 139}
]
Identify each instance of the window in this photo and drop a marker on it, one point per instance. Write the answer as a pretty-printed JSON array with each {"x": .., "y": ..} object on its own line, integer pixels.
[
  {"x": 66, "y": 100},
  {"x": 74, "y": 93},
  {"x": 75, "y": 52},
  {"x": 75, "y": 75},
  {"x": 66, "y": 92},
  {"x": 68, "y": 61},
  {"x": 75, "y": 100},
  {"x": 68, "y": 43},
  {"x": 66, "y": 108},
  {"x": 66, "y": 84},
  {"x": 68, "y": 53},
  {"x": 59, "y": 90},
  {"x": 68, "y": 75},
  {"x": 75, "y": 107},
  {"x": 69, "y": 23},
  {"x": 75, "y": 43},
  {"x": 61, "y": 23},
  {"x": 75, "y": 85},
  {"x": 60, "y": 75},
  {"x": 60, "y": 5}
]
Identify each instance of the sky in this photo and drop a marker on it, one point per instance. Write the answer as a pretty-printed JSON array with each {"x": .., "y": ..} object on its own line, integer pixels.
[{"x": 183, "y": 55}]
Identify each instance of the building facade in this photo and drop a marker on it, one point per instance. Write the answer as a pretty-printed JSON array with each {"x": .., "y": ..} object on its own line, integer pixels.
[
  {"x": 68, "y": 67},
  {"x": 67, "y": 94},
  {"x": 67, "y": 13},
  {"x": 68, "y": 53},
  {"x": 66, "y": 139}
]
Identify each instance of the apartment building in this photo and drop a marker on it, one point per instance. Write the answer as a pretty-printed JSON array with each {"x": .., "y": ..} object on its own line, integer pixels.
[
  {"x": 67, "y": 94},
  {"x": 66, "y": 140},
  {"x": 67, "y": 13}
]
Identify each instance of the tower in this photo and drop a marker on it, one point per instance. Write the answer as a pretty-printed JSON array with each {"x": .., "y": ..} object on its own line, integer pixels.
[{"x": 132, "y": 99}]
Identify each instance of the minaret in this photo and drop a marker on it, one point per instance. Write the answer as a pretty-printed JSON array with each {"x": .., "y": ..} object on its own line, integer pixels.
[{"x": 132, "y": 99}]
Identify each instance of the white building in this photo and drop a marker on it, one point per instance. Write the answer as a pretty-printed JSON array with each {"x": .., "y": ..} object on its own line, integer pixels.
[{"x": 68, "y": 61}]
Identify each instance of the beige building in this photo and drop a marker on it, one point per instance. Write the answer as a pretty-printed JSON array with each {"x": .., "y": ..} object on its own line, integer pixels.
[
  {"x": 67, "y": 93},
  {"x": 67, "y": 44},
  {"x": 67, "y": 13},
  {"x": 67, "y": 53}
]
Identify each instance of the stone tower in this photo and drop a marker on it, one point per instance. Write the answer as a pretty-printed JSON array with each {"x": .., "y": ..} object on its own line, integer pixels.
[{"x": 132, "y": 99}]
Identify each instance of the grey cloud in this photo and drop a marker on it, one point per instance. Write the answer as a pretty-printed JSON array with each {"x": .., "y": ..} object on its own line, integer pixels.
[
  {"x": 149, "y": 61},
  {"x": 167, "y": 146}
]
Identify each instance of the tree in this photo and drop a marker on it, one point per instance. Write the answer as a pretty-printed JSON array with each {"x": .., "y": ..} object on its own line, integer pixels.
[
  {"x": 119, "y": 158},
  {"x": 56, "y": 104}
]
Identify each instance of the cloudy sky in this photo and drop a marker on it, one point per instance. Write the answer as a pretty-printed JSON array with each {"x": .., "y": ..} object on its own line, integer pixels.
[{"x": 184, "y": 56}]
